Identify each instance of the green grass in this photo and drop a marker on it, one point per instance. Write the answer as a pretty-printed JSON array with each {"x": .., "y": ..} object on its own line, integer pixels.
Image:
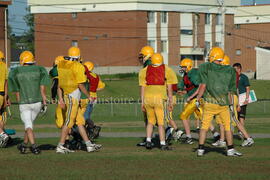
[{"x": 121, "y": 159}]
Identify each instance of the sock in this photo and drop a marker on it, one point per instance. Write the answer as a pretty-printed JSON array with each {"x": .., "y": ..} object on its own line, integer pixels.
[
  {"x": 162, "y": 143},
  {"x": 198, "y": 127},
  {"x": 88, "y": 143},
  {"x": 201, "y": 146},
  {"x": 188, "y": 135},
  {"x": 148, "y": 139},
  {"x": 61, "y": 144},
  {"x": 33, "y": 145},
  {"x": 230, "y": 147},
  {"x": 216, "y": 134}
]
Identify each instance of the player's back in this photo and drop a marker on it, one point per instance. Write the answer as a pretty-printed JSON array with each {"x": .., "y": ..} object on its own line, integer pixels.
[{"x": 29, "y": 78}]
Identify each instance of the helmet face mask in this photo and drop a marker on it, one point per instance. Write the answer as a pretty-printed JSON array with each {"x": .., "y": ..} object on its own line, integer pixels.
[{"x": 141, "y": 58}]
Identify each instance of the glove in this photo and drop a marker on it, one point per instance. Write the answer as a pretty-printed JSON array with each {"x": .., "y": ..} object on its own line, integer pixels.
[
  {"x": 198, "y": 104},
  {"x": 44, "y": 109}
]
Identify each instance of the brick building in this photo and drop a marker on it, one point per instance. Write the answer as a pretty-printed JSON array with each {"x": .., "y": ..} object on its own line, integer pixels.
[
  {"x": 4, "y": 44},
  {"x": 111, "y": 32},
  {"x": 252, "y": 30}
]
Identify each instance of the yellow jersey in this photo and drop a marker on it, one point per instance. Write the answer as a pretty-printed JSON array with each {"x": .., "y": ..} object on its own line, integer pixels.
[
  {"x": 158, "y": 91},
  {"x": 3, "y": 76},
  {"x": 70, "y": 74}
]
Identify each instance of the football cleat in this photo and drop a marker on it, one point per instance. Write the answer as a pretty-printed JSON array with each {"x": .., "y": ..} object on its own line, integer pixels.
[
  {"x": 3, "y": 140},
  {"x": 248, "y": 142},
  {"x": 168, "y": 133},
  {"x": 63, "y": 150},
  {"x": 93, "y": 147},
  {"x": 35, "y": 150},
  {"x": 200, "y": 152},
  {"x": 22, "y": 148},
  {"x": 188, "y": 140},
  {"x": 165, "y": 148},
  {"x": 219, "y": 143},
  {"x": 177, "y": 135},
  {"x": 233, "y": 152},
  {"x": 141, "y": 143},
  {"x": 148, "y": 145}
]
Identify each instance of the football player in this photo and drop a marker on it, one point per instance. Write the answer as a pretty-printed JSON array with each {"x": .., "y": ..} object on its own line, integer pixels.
[
  {"x": 145, "y": 59},
  {"x": 156, "y": 82},
  {"x": 94, "y": 84},
  {"x": 71, "y": 75},
  {"x": 28, "y": 82},
  {"x": 3, "y": 99},
  {"x": 248, "y": 141},
  {"x": 217, "y": 84},
  {"x": 188, "y": 86}
]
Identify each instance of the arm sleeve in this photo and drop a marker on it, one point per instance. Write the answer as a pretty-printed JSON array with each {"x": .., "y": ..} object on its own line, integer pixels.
[
  {"x": 171, "y": 77},
  {"x": 13, "y": 85},
  {"x": 101, "y": 84},
  {"x": 44, "y": 80},
  {"x": 142, "y": 77},
  {"x": 181, "y": 85},
  {"x": 194, "y": 77},
  {"x": 232, "y": 86},
  {"x": 80, "y": 74},
  {"x": 202, "y": 77},
  {"x": 246, "y": 81},
  {"x": 54, "y": 88}
]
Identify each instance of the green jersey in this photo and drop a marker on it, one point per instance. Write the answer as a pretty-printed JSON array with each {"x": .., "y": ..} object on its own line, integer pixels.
[
  {"x": 219, "y": 81},
  {"x": 190, "y": 82},
  {"x": 146, "y": 63},
  {"x": 243, "y": 83},
  {"x": 27, "y": 81},
  {"x": 53, "y": 72}
]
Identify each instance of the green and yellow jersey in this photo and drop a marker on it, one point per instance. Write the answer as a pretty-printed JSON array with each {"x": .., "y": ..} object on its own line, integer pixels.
[{"x": 219, "y": 80}]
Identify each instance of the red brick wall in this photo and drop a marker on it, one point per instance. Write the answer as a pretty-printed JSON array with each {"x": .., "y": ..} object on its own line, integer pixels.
[
  {"x": 125, "y": 34},
  {"x": 246, "y": 39}
]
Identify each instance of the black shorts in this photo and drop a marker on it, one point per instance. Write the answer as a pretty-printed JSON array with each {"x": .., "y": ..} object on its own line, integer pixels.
[{"x": 243, "y": 111}]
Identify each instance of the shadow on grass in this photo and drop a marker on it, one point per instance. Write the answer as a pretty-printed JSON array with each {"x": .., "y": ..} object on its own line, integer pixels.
[
  {"x": 46, "y": 147},
  {"x": 14, "y": 142},
  {"x": 212, "y": 149}
]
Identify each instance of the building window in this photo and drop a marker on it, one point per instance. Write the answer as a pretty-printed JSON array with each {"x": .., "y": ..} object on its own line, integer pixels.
[
  {"x": 152, "y": 43},
  {"x": 164, "y": 46},
  {"x": 218, "y": 44},
  {"x": 237, "y": 26},
  {"x": 186, "y": 31},
  {"x": 207, "y": 18},
  {"x": 74, "y": 15},
  {"x": 164, "y": 17},
  {"x": 238, "y": 52},
  {"x": 74, "y": 43},
  {"x": 218, "y": 19},
  {"x": 207, "y": 48},
  {"x": 151, "y": 17}
]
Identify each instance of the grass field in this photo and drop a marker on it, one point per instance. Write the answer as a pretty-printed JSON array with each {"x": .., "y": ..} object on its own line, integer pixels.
[{"x": 121, "y": 159}]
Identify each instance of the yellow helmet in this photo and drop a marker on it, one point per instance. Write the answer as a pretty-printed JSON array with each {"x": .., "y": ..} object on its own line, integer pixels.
[
  {"x": 2, "y": 56},
  {"x": 147, "y": 52},
  {"x": 58, "y": 59},
  {"x": 90, "y": 66},
  {"x": 216, "y": 54},
  {"x": 74, "y": 52},
  {"x": 157, "y": 59},
  {"x": 187, "y": 63},
  {"x": 226, "y": 60},
  {"x": 26, "y": 57}
]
